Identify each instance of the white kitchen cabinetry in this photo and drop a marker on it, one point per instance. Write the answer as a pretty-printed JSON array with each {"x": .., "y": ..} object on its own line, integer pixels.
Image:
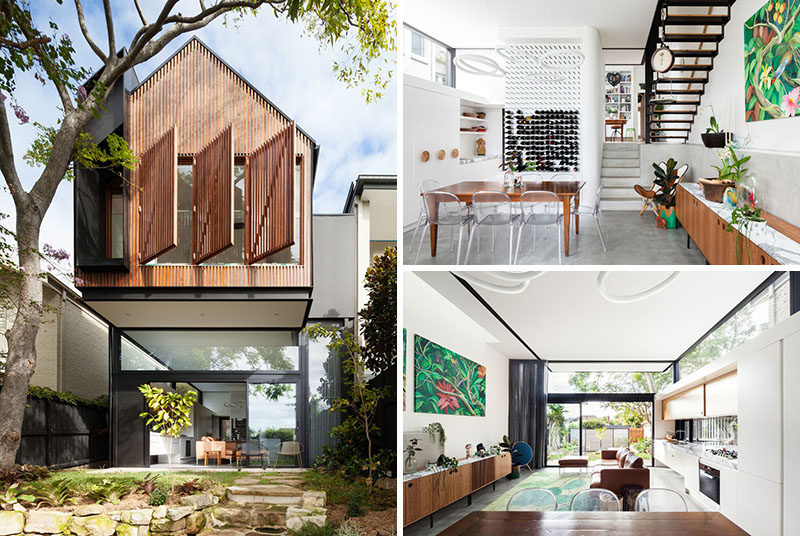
[
  {"x": 791, "y": 435},
  {"x": 759, "y": 512},
  {"x": 761, "y": 414},
  {"x": 660, "y": 451},
  {"x": 729, "y": 492}
]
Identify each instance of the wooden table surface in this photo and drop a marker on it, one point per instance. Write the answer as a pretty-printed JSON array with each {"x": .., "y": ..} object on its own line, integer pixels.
[
  {"x": 594, "y": 524},
  {"x": 566, "y": 190}
]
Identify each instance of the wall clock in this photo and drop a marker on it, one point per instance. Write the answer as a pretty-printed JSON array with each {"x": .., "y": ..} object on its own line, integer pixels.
[
  {"x": 662, "y": 59},
  {"x": 614, "y": 79}
]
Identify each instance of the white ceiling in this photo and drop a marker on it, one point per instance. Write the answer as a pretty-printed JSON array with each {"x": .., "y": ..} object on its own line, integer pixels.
[
  {"x": 563, "y": 317},
  {"x": 475, "y": 23}
]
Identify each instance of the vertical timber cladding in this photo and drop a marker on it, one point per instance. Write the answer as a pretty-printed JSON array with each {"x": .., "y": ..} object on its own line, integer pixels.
[
  {"x": 200, "y": 95},
  {"x": 212, "y": 198},
  {"x": 158, "y": 208},
  {"x": 269, "y": 196}
]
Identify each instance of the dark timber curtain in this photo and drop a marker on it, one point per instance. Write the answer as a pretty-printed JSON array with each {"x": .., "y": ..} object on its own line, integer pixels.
[{"x": 527, "y": 406}]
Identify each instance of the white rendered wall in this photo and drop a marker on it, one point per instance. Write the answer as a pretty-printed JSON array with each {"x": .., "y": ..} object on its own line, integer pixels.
[{"x": 427, "y": 313}]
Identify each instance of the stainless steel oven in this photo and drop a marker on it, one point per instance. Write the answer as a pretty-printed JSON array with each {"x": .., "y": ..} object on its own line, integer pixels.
[{"x": 709, "y": 482}]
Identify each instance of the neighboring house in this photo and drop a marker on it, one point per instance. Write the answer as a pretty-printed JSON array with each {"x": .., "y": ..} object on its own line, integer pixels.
[
  {"x": 72, "y": 344},
  {"x": 373, "y": 201},
  {"x": 202, "y": 261}
]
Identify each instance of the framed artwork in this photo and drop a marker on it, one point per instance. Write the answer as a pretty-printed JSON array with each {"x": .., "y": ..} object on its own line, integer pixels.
[
  {"x": 446, "y": 382},
  {"x": 772, "y": 61}
]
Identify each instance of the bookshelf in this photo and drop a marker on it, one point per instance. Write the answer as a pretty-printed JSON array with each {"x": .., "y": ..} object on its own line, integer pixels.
[{"x": 619, "y": 98}]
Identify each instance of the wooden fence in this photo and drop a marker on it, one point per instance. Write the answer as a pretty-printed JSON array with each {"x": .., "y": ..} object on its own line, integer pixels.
[{"x": 61, "y": 435}]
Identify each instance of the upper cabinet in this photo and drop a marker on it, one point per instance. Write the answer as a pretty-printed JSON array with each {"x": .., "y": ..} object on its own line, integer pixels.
[
  {"x": 687, "y": 405},
  {"x": 221, "y": 196},
  {"x": 722, "y": 396}
]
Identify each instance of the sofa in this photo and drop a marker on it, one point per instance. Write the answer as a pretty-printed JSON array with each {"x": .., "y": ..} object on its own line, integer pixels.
[{"x": 623, "y": 469}]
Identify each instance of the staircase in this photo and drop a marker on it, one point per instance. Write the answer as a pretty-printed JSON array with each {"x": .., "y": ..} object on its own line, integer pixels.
[
  {"x": 693, "y": 30},
  {"x": 620, "y": 172}
]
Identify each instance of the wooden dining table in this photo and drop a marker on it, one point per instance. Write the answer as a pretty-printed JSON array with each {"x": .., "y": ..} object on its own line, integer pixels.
[
  {"x": 567, "y": 191},
  {"x": 594, "y": 524}
]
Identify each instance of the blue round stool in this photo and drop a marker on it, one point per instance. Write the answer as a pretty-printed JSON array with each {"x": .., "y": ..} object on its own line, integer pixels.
[{"x": 521, "y": 454}]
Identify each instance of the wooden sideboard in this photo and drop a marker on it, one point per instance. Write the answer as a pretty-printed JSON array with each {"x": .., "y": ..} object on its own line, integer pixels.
[
  {"x": 425, "y": 495},
  {"x": 710, "y": 235}
]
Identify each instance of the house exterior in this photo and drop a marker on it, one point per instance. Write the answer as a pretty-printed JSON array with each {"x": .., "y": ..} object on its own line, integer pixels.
[{"x": 201, "y": 260}]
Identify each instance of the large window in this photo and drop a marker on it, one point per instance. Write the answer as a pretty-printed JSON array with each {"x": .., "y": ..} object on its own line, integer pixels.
[
  {"x": 324, "y": 384},
  {"x": 427, "y": 58},
  {"x": 210, "y": 350},
  {"x": 767, "y": 309},
  {"x": 182, "y": 253},
  {"x": 608, "y": 382}
]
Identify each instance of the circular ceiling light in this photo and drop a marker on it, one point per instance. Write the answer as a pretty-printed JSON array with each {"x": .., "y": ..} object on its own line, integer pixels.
[
  {"x": 501, "y": 282},
  {"x": 600, "y": 282},
  {"x": 563, "y": 59},
  {"x": 478, "y": 65}
]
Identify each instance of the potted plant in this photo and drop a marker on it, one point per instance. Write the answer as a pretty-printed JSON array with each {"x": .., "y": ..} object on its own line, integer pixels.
[
  {"x": 730, "y": 173},
  {"x": 435, "y": 432},
  {"x": 714, "y": 137},
  {"x": 411, "y": 455},
  {"x": 507, "y": 446},
  {"x": 748, "y": 221},
  {"x": 665, "y": 198}
]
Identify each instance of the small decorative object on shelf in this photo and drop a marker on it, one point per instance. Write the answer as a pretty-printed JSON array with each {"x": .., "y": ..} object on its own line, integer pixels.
[
  {"x": 454, "y": 153},
  {"x": 445, "y": 462},
  {"x": 441, "y": 154},
  {"x": 729, "y": 198},
  {"x": 468, "y": 449},
  {"x": 410, "y": 465},
  {"x": 730, "y": 172},
  {"x": 425, "y": 156},
  {"x": 481, "y": 149}
]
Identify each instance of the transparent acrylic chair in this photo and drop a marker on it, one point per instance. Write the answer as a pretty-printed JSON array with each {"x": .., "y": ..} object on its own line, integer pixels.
[
  {"x": 592, "y": 211},
  {"x": 539, "y": 209},
  {"x": 427, "y": 185},
  {"x": 444, "y": 209},
  {"x": 532, "y": 500},
  {"x": 493, "y": 209},
  {"x": 594, "y": 500},
  {"x": 660, "y": 500}
]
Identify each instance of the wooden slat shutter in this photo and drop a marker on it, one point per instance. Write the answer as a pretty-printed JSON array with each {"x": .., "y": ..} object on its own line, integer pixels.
[
  {"x": 269, "y": 196},
  {"x": 212, "y": 195},
  {"x": 158, "y": 205}
]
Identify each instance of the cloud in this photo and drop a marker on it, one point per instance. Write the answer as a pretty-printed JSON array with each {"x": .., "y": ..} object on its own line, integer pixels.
[{"x": 276, "y": 58}]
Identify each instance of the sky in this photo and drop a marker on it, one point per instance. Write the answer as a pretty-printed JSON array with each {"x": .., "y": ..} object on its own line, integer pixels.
[{"x": 274, "y": 55}]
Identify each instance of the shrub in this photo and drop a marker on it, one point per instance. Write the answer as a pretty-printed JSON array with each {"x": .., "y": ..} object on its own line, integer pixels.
[
  {"x": 310, "y": 529},
  {"x": 13, "y": 495},
  {"x": 23, "y": 473},
  {"x": 158, "y": 497},
  {"x": 348, "y": 528},
  {"x": 190, "y": 486},
  {"x": 55, "y": 493},
  {"x": 108, "y": 491},
  {"x": 149, "y": 483},
  {"x": 355, "y": 503},
  {"x": 284, "y": 434}
]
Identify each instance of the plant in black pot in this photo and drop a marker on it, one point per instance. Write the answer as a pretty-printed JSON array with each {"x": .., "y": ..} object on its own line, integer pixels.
[
  {"x": 665, "y": 197},
  {"x": 714, "y": 137},
  {"x": 508, "y": 446}
]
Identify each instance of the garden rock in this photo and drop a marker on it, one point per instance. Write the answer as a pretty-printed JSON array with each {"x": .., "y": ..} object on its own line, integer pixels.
[
  {"x": 127, "y": 530},
  {"x": 159, "y": 512},
  {"x": 261, "y": 516},
  {"x": 141, "y": 516},
  {"x": 296, "y": 518},
  {"x": 92, "y": 526},
  {"x": 313, "y": 499},
  {"x": 88, "y": 510},
  {"x": 246, "y": 481},
  {"x": 47, "y": 522},
  {"x": 11, "y": 523},
  {"x": 179, "y": 512},
  {"x": 195, "y": 522},
  {"x": 201, "y": 500},
  {"x": 226, "y": 516},
  {"x": 163, "y": 524}
]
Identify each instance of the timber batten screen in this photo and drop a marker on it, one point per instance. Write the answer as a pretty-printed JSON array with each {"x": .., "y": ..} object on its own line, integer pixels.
[
  {"x": 269, "y": 197},
  {"x": 158, "y": 208},
  {"x": 200, "y": 95},
  {"x": 212, "y": 195}
]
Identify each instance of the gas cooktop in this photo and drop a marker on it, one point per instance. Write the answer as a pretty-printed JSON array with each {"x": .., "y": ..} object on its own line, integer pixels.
[{"x": 724, "y": 453}]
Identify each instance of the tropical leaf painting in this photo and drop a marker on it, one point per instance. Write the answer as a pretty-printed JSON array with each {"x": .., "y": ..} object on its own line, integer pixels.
[
  {"x": 772, "y": 61},
  {"x": 446, "y": 382}
]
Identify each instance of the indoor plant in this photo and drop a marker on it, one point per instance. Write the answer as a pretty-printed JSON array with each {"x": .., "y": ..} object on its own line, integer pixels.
[
  {"x": 507, "y": 446},
  {"x": 665, "y": 197},
  {"x": 714, "y": 137},
  {"x": 411, "y": 455},
  {"x": 729, "y": 173},
  {"x": 748, "y": 221}
]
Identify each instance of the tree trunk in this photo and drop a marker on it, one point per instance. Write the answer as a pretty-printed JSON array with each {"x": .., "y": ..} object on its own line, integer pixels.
[{"x": 21, "y": 361}]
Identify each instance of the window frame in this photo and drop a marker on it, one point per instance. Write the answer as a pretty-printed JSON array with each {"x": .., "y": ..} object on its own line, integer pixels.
[{"x": 450, "y": 68}]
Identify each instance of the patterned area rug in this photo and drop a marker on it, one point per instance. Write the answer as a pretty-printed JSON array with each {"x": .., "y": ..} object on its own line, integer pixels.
[{"x": 563, "y": 486}]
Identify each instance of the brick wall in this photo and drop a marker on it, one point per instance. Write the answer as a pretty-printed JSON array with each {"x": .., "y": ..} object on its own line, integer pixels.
[{"x": 84, "y": 360}]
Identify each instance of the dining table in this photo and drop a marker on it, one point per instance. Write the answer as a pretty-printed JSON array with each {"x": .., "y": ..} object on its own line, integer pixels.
[
  {"x": 567, "y": 191},
  {"x": 485, "y": 523}
]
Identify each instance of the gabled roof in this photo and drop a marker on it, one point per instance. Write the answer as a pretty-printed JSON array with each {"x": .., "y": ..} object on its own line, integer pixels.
[
  {"x": 376, "y": 182},
  {"x": 227, "y": 66}
]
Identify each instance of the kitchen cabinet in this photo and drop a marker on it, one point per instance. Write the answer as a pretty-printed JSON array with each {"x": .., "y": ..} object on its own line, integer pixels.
[
  {"x": 721, "y": 396},
  {"x": 761, "y": 413},
  {"x": 791, "y": 431},
  {"x": 689, "y": 404},
  {"x": 760, "y": 512},
  {"x": 729, "y": 492},
  {"x": 660, "y": 451}
]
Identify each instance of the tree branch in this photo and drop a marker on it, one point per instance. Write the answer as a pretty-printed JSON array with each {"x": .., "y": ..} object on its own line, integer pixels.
[
  {"x": 112, "y": 47},
  {"x": 7, "y": 166},
  {"x": 8, "y": 43},
  {"x": 85, "y": 31},
  {"x": 141, "y": 14}
]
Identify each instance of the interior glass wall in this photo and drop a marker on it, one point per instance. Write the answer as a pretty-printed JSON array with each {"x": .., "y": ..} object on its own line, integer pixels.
[
  {"x": 324, "y": 384},
  {"x": 272, "y": 418},
  {"x": 562, "y": 419}
]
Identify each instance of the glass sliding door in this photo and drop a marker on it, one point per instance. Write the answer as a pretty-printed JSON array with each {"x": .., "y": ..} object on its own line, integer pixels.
[
  {"x": 562, "y": 431},
  {"x": 272, "y": 417}
]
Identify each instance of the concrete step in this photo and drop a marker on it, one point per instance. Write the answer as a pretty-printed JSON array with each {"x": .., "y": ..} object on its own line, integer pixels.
[
  {"x": 627, "y": 182},
  {"x": 276, "y": 494},
  {"x": 619, "y": 192},
  {"x": 621, "y": 204},
  {"x": 620, "y": 162},
  {"x": 621, "y": 147},
  {"x": 607, "y": 172}
]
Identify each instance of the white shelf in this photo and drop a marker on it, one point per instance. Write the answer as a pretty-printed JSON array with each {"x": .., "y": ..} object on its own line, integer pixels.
[
  {"x": 473, "y": 118},
  {"x": 470, "y": 132},
  {"x": 475, "y": 159}
]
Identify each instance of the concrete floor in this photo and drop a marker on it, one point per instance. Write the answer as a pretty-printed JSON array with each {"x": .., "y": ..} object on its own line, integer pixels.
[
  {"x": 630, "y": 240},
  {"x": 660, "y": 477}
]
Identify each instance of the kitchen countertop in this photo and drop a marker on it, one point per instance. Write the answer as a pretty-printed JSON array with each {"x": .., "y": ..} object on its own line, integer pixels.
[
  {"x": 699, "y": 450},
  {"x": 426, "y": 472},
  {"x": 777, "y": 245}
]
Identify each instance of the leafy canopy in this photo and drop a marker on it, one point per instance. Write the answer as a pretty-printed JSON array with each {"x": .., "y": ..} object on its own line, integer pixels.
[{"x": 169, "y": 413}]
